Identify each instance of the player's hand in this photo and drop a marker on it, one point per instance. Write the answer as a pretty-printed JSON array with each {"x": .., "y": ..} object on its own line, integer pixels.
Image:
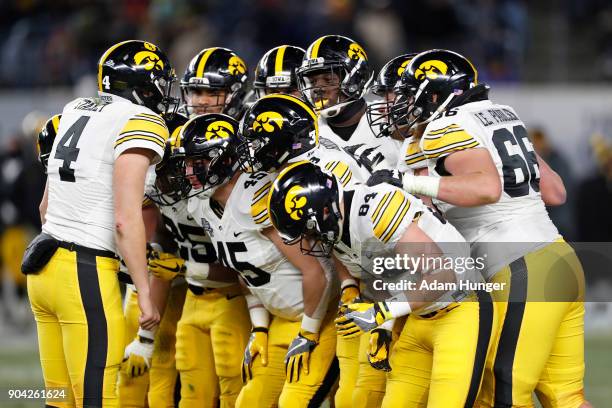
[
  {"x": 392, "y": 177},
  {"x": 379, "y": 349},
  {"x": 137, "y": 356},
  {"x": 298, "y": 355},
  {"x": 165, "y": 265},
  {"x": 258, "y": 344},
  {"x": 149, "y": 315},
  {"x": 358, "y": 318}
]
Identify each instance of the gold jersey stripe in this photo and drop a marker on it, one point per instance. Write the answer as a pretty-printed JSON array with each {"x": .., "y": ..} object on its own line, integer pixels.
[
  {"x": 340, "y": 170},
  {"x": 415, "y": 159},
  {"x": 259, "y": 207},
  {"x": 153, "y": 118},
  {"x": 454, "y": 149},
  {"x": 449, "y": 139},
  {"x": 263, "y": 189},
  {"x": 202, "y": 63},
  {"x": 278, "y": 62},
  {"x": 142, "y": 133},
  {"x": 442, "y": 130},
  {"x": 379, "y": 207},
  {"x": 387, "y": 215},
  {"x": 398, "y": 220},
  {"x": 139, "y": 137},
  {"x": 146, "y": 126}
]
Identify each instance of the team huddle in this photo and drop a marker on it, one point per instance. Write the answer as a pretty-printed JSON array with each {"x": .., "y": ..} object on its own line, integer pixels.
[{"x": 245, "y": 220}]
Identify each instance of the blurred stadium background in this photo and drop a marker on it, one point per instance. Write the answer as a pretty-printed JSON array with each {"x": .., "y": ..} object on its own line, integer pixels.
[{"x": 551, "y": 60}]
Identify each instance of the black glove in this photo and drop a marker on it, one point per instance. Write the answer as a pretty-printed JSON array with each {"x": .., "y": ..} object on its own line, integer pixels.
[{"x": 392, "y": 177}]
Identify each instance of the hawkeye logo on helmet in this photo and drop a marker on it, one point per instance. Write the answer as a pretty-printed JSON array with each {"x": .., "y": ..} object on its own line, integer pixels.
[
  {"x": 402, "y": 67},
  {"x": 430, "y": 69},
  {"x": 294, "y": 203},
  {"x": 268, "y": 122},
  {"x": 236, "y": 66},
  {"x": 149, "y": 59},
  {"x": 219, "y": 129},
  {"x": 356, "y": 52}
]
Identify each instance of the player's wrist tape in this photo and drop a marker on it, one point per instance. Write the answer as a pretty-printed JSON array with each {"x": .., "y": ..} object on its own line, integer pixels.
[
  {"x": 388, "y": 325},
  {"x": 197, "y": 270},
  {"x": 424, "y": 185},
  {"x": 349, "y": 282},
  {"x": 146, "y": 336},
  {"x": 398, "y": 309},
  {"x": 259, "y": 316},
  {"x": 311, "y": 325}
]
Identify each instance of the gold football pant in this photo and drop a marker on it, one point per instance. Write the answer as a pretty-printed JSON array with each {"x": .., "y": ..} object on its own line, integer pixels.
[
  {"x": 77, "y": 306},
  {"x": 438, "y": 360},
  {"x": 268, "y": 387},
  {"x": 540, "y": 345},
  {"x": 210, "y": 340},
  {"x": 132, "y": 391},
  {"x": 361, "y": 386},
  {"x": 158, "y": 384}
]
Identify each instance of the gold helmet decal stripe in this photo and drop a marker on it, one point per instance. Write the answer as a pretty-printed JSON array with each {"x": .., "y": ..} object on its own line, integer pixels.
[
  {"x": 475, "y": 72},
  {"x": 55, "y": 122},
  {"x": 103, "y": 60},
  {"x": 315, "y": 47},
  {"x": 202, "y": 63},
  {"x": 278, "y": 62},
  {"x": 303, "y": 105}
]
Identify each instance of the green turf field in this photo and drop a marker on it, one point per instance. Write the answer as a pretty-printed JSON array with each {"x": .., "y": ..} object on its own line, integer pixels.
[{"x": 20, "y": 368}]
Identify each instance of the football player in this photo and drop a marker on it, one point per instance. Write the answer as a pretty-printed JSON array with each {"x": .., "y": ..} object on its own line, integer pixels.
[
  {"x": 148, "y": 372},
  {"x": 334, "y": 77},
  {"x": 91, "y": 210},
  {"x": 431, "y": 365},
  {"x": 275, "y": 71},
  {"x": 290, "y": 357},
  {"x": 215, "y": 82},
  {"x": 490, "y": 183},
  {"x": 279, "y": 130}
]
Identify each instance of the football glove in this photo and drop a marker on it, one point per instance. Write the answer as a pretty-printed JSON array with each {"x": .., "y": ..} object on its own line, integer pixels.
[
  {"x": 349, "y": 294},
  {"x": 392, "y": 177},
  {"x": 137, "y": 356},
  {"x": 380, "y": 346},
  {"x": 165, "y": 265},
  {"x": 358, "y": 318},
  {"x": 258, "y": 344},
  {"x": 298, "y": 355}
]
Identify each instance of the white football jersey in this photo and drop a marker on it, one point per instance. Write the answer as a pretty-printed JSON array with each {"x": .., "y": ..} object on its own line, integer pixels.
[
  {"x": 376, "y": 153},
  {"x": 236, "y": 233},
  {"x": 520, "y": 215},
  {"x": 92, "y": 133},
  {"x": 411, "y": 158},
  {"x": 332, "y": 159},
  {"x": 378, "y": 218}
]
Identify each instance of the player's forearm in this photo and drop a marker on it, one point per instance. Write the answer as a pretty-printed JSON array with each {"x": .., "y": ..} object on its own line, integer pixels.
[
  {"x": 130, "y": 237},
  {"x": 470, "y": 190},
  {"x": 552, "y": 187},
  {"x": 160, "y": 289}
]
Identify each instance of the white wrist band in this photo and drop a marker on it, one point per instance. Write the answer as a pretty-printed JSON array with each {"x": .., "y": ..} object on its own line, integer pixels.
[
  {"x": 399, "y": 309},
  {"x": 311, "y": 325},
  {"x": 148, "y": 334},
  {"x": 259, "y": 317},
  {"x": 197, "y": 270},
  {"x": 349, "y": 282},
  {"x": 424, "y": 185},
  {"x": 388, "y": 325}
]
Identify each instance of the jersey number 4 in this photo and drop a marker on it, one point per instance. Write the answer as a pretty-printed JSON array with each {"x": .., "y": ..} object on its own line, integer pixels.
[
  {"x": 520, "y": 163},
  {"x": 67, "y": 150}
]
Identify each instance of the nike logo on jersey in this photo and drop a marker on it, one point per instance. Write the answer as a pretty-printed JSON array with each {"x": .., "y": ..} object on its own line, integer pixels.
[{"x": 236, "y": 234}]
